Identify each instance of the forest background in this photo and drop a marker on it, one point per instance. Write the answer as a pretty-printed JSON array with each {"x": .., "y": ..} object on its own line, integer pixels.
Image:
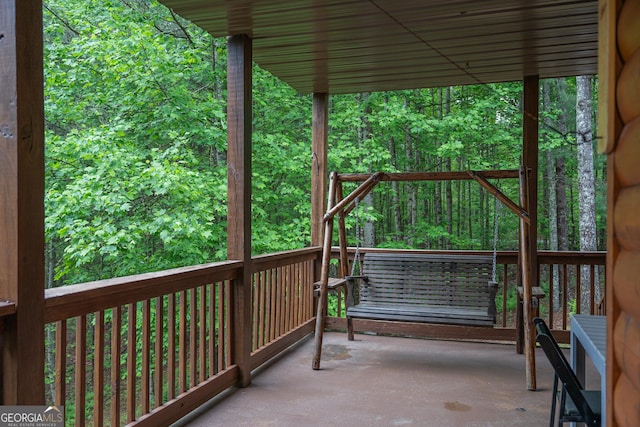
[{"x": 136, "y": 176}]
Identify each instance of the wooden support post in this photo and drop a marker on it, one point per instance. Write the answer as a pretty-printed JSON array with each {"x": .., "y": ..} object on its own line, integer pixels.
[
  {"x": 324, "y": 278},
  {"x": 22, "y": 275},
  {"x": 529, "y": 237},
  {"x": 239, "y": 114},
  {"x": 319, "y": 171}
]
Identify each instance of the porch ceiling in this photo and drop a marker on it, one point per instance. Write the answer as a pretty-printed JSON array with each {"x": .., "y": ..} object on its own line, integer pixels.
[{"x": 347, "y": 46}]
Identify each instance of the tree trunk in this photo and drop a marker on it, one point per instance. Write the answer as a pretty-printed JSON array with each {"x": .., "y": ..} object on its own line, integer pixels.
[
  {"x": 50, "y": 357},
  {"x": 397, "y": 230},
  {"x": 586, "y": 185},
  {"x": 561, "y": 175},
  {"x": 412, "y": 203},
  {"x": 364, "y": 133},
  {"x": 447, "y": 184},
  {"x": 369, "y": 235},
  {"x": 217, "y": 156},
  {"x": 552, "y": 196}
]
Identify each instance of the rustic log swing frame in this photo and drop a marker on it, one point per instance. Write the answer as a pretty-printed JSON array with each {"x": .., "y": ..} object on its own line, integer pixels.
[{"x": 342, "y": 206}]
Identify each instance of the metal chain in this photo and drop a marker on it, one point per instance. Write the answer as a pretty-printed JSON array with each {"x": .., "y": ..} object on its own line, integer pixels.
[
  {"x": 496, "y": 207},
  {"x": 356, "y": 256}
]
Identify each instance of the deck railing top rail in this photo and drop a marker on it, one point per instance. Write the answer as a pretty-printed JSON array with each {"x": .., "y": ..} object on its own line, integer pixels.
[{"x": 75, "y": 300}]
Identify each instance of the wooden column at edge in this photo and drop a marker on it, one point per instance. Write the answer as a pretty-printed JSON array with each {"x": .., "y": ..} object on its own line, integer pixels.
[
  {"x": 530, "y": 162},
  {"x": 319, "y": 172},
  {"x": 22, "y": 200},
  {"x": 239, "y": 117}
]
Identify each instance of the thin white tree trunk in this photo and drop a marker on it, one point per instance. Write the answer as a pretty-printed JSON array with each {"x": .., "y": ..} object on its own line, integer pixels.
[{"x": 586, "y": 185}]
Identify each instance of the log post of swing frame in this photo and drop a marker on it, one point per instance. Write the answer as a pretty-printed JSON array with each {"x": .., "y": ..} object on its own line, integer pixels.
[
  {"x": 324, "y": 277},
  {"x": 333, "y": 209},
  {"x": 525, "y": 265},
  {"x": 529, "y": 233},
  {"x": 344, "y": 258}
]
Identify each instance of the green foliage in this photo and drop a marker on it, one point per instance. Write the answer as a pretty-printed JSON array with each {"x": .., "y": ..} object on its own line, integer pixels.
[
  {"x": 121, "y": 209},
  {"x": 136, "y": 149},
  {"x": 512, "y": 299}
]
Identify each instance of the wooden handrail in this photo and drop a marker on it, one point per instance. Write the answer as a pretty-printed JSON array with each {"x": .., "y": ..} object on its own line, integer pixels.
[
  {"x": 76, "y": 300},
  {"x": 279, "y": 259}
]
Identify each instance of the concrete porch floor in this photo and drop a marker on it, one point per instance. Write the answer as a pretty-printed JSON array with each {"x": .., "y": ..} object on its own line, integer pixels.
[{"x": 388, "y": 381}]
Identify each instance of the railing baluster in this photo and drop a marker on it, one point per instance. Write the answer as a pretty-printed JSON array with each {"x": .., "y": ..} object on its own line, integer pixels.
[
  {"x": 159, "y": 356},
  {"x": 288, "y": 299},
  {"x": 551, "y": 293},
  {"x": 306, "y": 284},
  {"x": 61, "y": 363},
  {"x": 274, "y": 304},
  {"x": 261, "y": 321},
  {"x": 202, "y": 339},
  {"x": 222, "y": 341},
  {"x": 279, "y": 301},
  {"x": 182, "y": 338},
  {"x": 578, "y": 289},
  {"x": 309, "y": 288},
  {"x": 504, "y": 296},
  {"x": 213, "y": 361},
  {"x": 227, "y": 320},
  {"x": 146, "y": 356},
  {"x": 98, "y": 372},
  {"x": 171, "y": 347},
  {"x": 299, "y": 285},
  {"x": 295, "y": 300},
  {"x": 565, "y": 296},
  {"x": 193, "y": 337},
  {"x": 592, "y": 289},
  {"x": 81, "y": 373},
  {"x": 116, "y": 347},
  {"x": 267, "y": 306},
  {"x": 132, "y": 320},
  {"x": 255, "y": 292}
]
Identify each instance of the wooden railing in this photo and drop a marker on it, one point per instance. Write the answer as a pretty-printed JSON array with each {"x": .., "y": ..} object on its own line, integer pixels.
[
  {"x": 148, "y": 349},
  {"x": 283, "y": 305},
  {"x": 559, "y": 274}
]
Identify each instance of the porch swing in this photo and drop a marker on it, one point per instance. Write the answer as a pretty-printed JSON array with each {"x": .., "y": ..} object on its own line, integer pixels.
[
  {"x": 408, "y": 288},
  {"x": 424, "y": 287}
]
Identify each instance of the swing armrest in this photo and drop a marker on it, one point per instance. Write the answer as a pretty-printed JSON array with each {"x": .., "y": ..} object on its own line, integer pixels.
[
  {"x": 350, "y": 300},
  {"x": 492, "y": 309},
  {"x": 332, "y": 284}
]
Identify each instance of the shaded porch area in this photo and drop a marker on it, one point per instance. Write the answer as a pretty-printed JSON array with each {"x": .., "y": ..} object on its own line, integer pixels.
[{"x": 386, "y": 381}]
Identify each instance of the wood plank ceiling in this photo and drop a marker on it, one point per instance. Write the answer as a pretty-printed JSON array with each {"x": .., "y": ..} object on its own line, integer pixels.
[{"x": 349, "y": 46}]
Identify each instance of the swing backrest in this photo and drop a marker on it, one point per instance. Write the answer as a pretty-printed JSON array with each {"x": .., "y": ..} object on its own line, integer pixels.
[{"x": 453, "y": 286}]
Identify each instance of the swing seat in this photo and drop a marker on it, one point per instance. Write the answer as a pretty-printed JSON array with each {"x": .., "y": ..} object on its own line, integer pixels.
[{"x": 425, "y": 288}]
